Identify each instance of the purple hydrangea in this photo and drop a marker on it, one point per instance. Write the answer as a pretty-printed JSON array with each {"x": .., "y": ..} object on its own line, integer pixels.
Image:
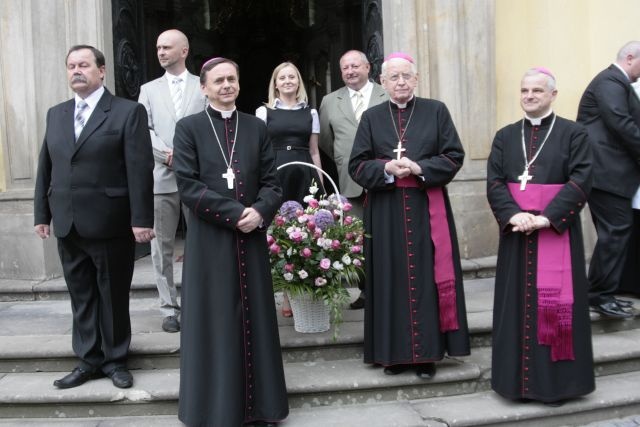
[
  {"x": 323, "y": 219},
  {"x": 289, "y": 209}
]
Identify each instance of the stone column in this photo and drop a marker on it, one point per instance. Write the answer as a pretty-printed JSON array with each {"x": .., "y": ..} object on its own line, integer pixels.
[
  {"x": 453, "y": 42},
  {"x": 34, "y": 38}
]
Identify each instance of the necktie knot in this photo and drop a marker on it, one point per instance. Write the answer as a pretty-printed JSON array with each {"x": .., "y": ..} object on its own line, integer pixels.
[{"x": 177, "y": 80}]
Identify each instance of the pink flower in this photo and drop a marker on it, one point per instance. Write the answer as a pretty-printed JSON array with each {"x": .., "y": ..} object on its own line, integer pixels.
[
  {"x": 335, "y": 244},
  {"x": 299, "y": 212},
  {"x": 349, "y": 236},
  {"x": 356, "y": 249},
  {"x": 311, "y": 225},
  {"x": 306, "y": 252},
  {"x": 288, "y": 268},
  {"x": 357, "y": 262},
  {"x": 320, "y": 281},
  {"x": 313, "y": 203},
  {"x": 317, "y": 233},
  {"x": 325, "y": 263},
  {"x": 296, "y": 236},
  {"x": 347, "y": 207},
  {"x": 275, "y": 249},
  {"x": 280, "y": 220},
  {"x": 348, "y": 220},
  {"x": 270, "y": 240}
]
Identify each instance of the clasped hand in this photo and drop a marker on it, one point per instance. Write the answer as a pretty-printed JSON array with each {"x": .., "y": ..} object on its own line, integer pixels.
[
  {"x": 402, "y": 168},
  {"x": 249, "y": 220},
  {"x": 528, "y": 223}
]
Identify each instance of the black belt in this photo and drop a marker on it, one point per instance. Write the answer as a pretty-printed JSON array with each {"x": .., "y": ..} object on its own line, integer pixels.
[{"x": 290, "y": 147}]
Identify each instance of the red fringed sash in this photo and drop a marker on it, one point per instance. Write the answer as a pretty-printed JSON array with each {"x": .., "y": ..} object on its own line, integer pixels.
[
  {"x": 554, "y": 275},
  {"x": 444, "y": 272}
]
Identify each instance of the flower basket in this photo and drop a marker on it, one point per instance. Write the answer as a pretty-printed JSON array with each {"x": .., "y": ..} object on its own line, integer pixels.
[
  {"x": 310, "y": 315},
  {"x": 315, "y": 253}
]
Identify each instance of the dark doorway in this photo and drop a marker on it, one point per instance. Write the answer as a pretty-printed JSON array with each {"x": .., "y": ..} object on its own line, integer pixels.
[{"x": 258, "y": 35}]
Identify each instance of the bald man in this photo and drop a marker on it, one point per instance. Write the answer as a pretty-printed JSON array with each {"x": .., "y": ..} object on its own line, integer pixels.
[{"x": 168, "y": 99}]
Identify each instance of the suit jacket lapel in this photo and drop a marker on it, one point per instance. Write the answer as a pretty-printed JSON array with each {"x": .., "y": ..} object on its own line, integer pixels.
[
  {"x": 68, "y": 123},
  {"x": 98, "y": 116},
  {"x": 377, "y": 94},
  {"x": 189, "y": 91}
]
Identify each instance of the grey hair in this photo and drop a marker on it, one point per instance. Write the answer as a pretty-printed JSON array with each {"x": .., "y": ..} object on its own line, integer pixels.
[
  {"x": 551, "y": 81},
  {"x": 631, "y": 48},
  {"x": 383, "y": 69},
  {"x": 362, "y": 55}
]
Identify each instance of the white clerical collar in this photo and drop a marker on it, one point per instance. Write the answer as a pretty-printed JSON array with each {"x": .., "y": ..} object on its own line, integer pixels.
[
  {"x": 278, "y": 103},
  {"x": 535, "y": 121},
  {"x": 224, "y": 113},
  {"x": 402, "y": 106},
  {"x": 182, "y": 75},
  {"x": 623, "y": 71},
  {"x": 92, "y": 100}
]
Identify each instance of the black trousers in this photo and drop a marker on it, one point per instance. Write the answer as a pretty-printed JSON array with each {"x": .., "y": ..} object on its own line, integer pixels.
[
  {"x": 98, "y": 273},
  {"x": 630, "y": 281},
  {"x": 613, "y": 219}
]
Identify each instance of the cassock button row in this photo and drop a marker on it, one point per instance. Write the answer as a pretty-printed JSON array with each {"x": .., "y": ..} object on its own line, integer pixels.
[
  {"x": 235, "y": 161},
  {"x": 217, "y": 215},
  {"x": 207, "y": 210}
]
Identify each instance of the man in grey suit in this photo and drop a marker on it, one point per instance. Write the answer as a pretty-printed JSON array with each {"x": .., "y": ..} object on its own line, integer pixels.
[
  {"x": 340, "y": 113},
  {"x": 174, "y": 95}
]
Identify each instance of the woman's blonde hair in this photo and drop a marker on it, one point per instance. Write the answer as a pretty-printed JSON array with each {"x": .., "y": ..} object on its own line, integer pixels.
[{"x": 301, "y": 93}]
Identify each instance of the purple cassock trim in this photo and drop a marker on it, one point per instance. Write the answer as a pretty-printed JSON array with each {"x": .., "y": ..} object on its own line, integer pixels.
[
  {"x": 554, "y": 276},
  {"x": 444, "y": 272}
]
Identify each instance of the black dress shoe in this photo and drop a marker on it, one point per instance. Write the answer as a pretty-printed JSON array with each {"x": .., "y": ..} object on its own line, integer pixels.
[
  {"x": 426, "y": 371},
  {"x": 623, "y": 303},
  {"x": 395, "y": 369},
  {"x": 75, "y": 378},
  {"x": 611, "y": 309},
  {"x": 121, "y": 377},
  {"x": 171, "y": 324},
  {"x": 357, "y": 304},
  {"x": 555, "y": 404},
  {"x": 264, "y": 424}
]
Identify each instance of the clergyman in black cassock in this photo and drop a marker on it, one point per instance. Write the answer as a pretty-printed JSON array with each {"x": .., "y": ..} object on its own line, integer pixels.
[
  {"x": 541, "y": 340},
  {"x": 415, "y": 306},
  {"x": 230, "y": 360}
]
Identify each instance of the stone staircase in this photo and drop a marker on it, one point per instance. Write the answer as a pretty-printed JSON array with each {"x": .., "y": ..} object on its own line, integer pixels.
[{"x": 327, "y": 382}]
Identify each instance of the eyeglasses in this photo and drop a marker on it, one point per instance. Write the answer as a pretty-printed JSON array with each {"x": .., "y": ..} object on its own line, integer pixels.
[{"x": 396, "y": 77}]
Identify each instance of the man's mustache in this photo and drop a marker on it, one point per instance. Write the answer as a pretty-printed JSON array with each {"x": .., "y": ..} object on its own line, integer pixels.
[{"x": 78, "y": 78}]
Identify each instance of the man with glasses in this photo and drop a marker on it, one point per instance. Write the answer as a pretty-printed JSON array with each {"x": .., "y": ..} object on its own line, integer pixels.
[{"x": 405, "y": 152}]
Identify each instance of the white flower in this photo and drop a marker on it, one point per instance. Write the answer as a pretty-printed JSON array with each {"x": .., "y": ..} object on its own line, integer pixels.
[
  {"x": 288, "y": 276},
  {"x": 346, "y": 259},
  {"x": 324, "y": 203},
  {"x": 302, "y": 219},
  {"x": 303, "y": 274},
  {"x": 309, "y": 197},
  {"x": 289, "y": 251},
  {"x": 313, "y": 190},
  {"x": 338, "y": 265}
]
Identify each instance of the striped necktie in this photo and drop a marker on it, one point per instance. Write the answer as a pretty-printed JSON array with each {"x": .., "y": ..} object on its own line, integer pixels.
[
  {"x": 176, "y": 96},
  {"x": 80, "y": 119},
  {"x": 359, "y": 108}
]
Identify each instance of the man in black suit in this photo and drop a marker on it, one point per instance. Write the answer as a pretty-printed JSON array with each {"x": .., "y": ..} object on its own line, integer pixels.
[
  {"x": 607, "y": 109},
  {"x": 95, "y": 182}
]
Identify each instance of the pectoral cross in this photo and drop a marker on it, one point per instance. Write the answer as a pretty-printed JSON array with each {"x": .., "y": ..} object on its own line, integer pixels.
[
  {"x": 399, "y": 150},
  {"x": 524, "y": 178},
  {"x": 229, "y": 176}
]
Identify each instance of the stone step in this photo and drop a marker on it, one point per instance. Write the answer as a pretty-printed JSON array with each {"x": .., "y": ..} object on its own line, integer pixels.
[
  {"x": 143, "y": 283},
  {"x": 310, "y": 383},
  {"x": 615, "y": 396}
]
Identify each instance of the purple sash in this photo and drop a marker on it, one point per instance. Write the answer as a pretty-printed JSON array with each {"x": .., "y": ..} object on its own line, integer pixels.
[
  {"x": 444, "y": 272},
  {"x": 554, "y": 276}
]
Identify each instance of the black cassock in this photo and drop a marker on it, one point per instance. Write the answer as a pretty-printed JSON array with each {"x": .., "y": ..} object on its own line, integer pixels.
[
  {"x": 522, "y": 368},
  {"x": 230, "y": 359},
  {"x": 401, "y": 305}
]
